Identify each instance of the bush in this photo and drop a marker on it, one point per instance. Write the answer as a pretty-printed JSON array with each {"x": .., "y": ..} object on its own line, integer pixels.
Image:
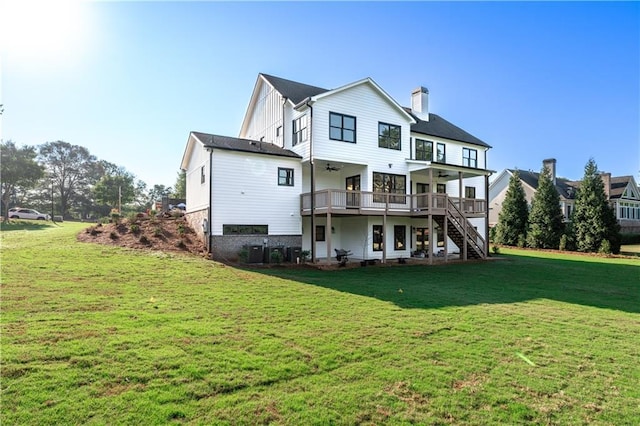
[
  {"x": 304, "y": 255},
  {"x": 243, "y": 255},
  {"x": 144, "y": 240},
  {"x": 181, "y": 229},
  {"x": 605, "y": 247},
  {"x": 113, "y": 235},
  {"x": 276, "y": 256},
  {"x": 115, "y": 216},
  {"x": 135, "y": 228},
  {"x": 567, "y": 243},
  {"x": 104, "y": 220},
  {"x": 522, "y": 241},
  {"x": 157, "y": 232},
  {"x": 495, "y": 249}
]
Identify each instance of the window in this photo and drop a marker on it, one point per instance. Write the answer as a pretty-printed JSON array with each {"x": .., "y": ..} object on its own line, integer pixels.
[
  {"x": 388, "y": 136},
  {"x": 279, "y": 131},
  {"x": 342, "y": 127},
  {"x": 469, "y": 192},
  {"x": 469, "y": 157},
  {"x": 399, "y": 237},
  {"x": 285, "y": 176},
  {"x": 245, "y": 229},
  {"x": 299, "y": 127},
  {"x": 320, "y": 233},
  {"x": 424, "y": 150},
  {"x": 441, "y": 188},
  {"x": 377, "y": 238},
  {"x": 394, "y": 184},
  {"x": 202, "y": 176},
  {"x": 441, "y": 153}
]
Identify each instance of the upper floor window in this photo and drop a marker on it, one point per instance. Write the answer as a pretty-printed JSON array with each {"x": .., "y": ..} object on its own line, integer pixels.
[
  {"x": 279, "y": 131},
  {"x": 202, "y": 175},
  {"x": 342, "y": 127},
  {"x": 441, "y": 153},
  {"x": 300, "y": 133},
  {"x": 424, "y": 150},
  {"x": 285, "y": 176},
  {"x": 469, "y": 157},
  {"x": 388, "y": 136}
]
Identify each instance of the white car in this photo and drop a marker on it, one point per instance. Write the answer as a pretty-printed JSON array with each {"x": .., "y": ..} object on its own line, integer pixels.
[{"x": 28, "y": 214}]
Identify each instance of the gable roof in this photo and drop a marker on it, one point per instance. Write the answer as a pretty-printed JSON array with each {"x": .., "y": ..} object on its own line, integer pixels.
[
  {"x": 438, "y": 126},
  {"x": 566, "y": 188},
  {"x": 242, "y": 145},
  {"x": 619, "y": 184},
  {"x": 292, "y": 90}
]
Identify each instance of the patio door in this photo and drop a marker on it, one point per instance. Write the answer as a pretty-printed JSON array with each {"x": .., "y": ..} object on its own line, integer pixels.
[
  {"x": 422, "y": 201},
  {"x": 352, "y": 183}
]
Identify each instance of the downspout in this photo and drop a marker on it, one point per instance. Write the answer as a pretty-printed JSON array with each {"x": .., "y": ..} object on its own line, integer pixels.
[
  {"x": 313, "y": 184},
  {"x": 284, "y": 102},
  {"x": 210, "y": 213}
]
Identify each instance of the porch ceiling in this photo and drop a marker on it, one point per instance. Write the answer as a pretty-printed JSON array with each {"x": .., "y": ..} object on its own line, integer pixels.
[{"x": 443, "y": 171}]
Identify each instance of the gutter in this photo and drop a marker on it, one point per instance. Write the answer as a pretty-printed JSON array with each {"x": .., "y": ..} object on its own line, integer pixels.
[{"x": 210, "y": 212}]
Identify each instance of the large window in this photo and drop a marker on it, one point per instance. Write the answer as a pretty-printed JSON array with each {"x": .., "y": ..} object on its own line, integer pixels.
[
  {"x": 299, "y": 127},
  {"x": 469, "y": 157},
  {"x": 393, "y": 184},
  {"x": 441, "y": 153},
  {"x": 285, "y": 176},
  {"x": 342, "y": 127},
  {"x": 424, "y": 150},
  {"x": 378, "y": 238},
  {"x": 245, "y": 229},
  {"x": 388, "y": 136},
  {"x": 399, "y": 237},
  {"x": 320, "y": 233}
]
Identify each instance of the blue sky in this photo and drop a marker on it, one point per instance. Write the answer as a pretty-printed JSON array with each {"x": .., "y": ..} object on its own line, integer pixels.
[{"x": 130, "y": 80}]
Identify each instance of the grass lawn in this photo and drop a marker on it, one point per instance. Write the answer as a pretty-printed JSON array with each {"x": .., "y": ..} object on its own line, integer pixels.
[{"x": 102, "y": 335}]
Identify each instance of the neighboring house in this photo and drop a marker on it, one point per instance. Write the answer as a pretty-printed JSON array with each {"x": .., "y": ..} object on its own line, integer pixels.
[
  {"x": 347, "y": 168},
  {"x": 622, "y": 193}
]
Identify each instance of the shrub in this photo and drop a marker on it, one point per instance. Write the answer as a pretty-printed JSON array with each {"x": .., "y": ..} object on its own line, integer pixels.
[
  {"x": 113, "y": 235},
  {"x": 115, "y": 216},
  {"x": 276, "y": 256},
  {"x": 144, "y": 240},
  {"x": 135, "y": 228},
  {"x": 181, "y": 229},
  {"x": 105, "y": 220},
  {"x": 157, "y": 232},
  {"x": 495, "y": 249},
  {"x": 243, "y": 255},
  {"x": 304, "y": 255},
  {"x": 567, "y": 243},
  {"x": 522, "y": 240},
  {"x": 605, "y": 247}
]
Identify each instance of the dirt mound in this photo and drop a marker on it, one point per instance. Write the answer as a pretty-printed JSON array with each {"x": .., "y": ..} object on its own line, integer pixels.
[{"x": 155, "y": 233}]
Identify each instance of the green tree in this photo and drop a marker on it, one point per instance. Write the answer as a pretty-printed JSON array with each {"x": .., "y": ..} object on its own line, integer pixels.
[
  {"x": 545, "y": 218},
  {"x": 19, "y": 171},
  {"x": 180, "y": 188},
  {"x": 115, "y": 189},
  {"x": 513, "y": 218},
  {"x": 593, "y": 219},
  {"x": 71, "y": 167}
]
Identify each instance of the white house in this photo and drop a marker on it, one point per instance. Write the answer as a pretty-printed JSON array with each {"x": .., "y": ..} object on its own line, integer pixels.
[{"x": 346, "y": 168}]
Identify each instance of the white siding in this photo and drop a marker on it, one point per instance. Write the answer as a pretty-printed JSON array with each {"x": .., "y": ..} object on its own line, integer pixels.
[
  {"x": 246, "y": 192},
  {"x": 266, "y": 117},
  {"x": 197, "y": 191},
  {"x": 453, "y": 149}
]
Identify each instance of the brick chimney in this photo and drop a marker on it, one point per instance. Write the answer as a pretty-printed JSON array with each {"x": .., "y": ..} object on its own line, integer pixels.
[
  {"x": 606, "y": 181},
  {"x": 420, "y": 103},
  {"x": 550, "y": 164}
]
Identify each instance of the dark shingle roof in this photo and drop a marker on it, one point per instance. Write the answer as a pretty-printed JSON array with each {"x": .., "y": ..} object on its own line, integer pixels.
[
  {"x": 243, "y": 145},
  {"x": 618, "y": 185},
  {"x": 566, "y": 188},
  {"x": 438, "y": 126},
  {"x": 294, "y": 91}
]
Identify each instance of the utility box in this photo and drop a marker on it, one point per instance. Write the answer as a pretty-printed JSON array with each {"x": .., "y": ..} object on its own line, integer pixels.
[
  {"x": 254, "y": 254},
  {"x": 293, "y": 254}
]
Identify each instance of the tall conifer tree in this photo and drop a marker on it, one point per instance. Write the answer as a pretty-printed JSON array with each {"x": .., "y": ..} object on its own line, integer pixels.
[
  {"x": 545, "y": 218},
  {"x": 513, "y": 219}
]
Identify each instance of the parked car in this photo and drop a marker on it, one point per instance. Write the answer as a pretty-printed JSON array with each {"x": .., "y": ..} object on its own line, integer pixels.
[{"x": 28, "y": 214}]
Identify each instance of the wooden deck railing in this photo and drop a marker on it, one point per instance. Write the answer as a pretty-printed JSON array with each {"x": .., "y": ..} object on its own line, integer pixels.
[{"x": 363, "y": 202}]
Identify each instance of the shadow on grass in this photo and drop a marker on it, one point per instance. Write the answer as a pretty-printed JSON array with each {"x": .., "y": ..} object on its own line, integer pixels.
[
  {"x": 26, "y": 225},
  {"x": 512, "y": 279}
]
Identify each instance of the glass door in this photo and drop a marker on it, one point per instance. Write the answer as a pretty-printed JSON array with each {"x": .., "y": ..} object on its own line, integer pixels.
[
  {"x": 422, "y": 201},
  {"x": 352, "y": 183}
]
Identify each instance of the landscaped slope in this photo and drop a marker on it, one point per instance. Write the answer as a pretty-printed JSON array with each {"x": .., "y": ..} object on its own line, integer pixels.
[{"x": 106, "y": 335}]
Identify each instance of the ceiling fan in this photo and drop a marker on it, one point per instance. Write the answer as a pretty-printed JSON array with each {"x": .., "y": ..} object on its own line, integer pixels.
[
  {"x": 331, "y": 168},
  {"x": 441, "y": 175}
]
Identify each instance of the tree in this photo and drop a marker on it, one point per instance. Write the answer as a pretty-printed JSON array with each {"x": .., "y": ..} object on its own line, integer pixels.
[
  {"x": 593, "y": 219},
  {"x": 513, "y": 219},
  {"x": 70, "y": 167},
  {"x": 19, "y": 171},
  {"x": 115, "y": 188},
  {"x": 545, "y": 218},
  {"x": 180, "y": 188},
  {"x": 157, "y": 192}
]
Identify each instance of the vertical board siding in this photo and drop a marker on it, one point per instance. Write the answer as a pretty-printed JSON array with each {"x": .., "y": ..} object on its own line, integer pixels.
[
  {"x": 197, "y": 193},
  {"x": 246, "y": 191},
  {"x": 266, "y": 116}
]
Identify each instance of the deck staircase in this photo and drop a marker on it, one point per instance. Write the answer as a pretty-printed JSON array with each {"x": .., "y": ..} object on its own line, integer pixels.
[{"x": 457, "y": 226}]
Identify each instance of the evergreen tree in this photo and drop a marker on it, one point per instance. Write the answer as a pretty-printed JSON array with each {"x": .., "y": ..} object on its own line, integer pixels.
[
  {"x": 513, "y": 218},
  {"x": 545, "y": 218},
  {"x": 593, "y": 219}
]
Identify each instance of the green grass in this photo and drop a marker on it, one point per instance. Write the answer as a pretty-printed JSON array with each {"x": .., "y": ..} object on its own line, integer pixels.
[{"x": 101, "y": 335}]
